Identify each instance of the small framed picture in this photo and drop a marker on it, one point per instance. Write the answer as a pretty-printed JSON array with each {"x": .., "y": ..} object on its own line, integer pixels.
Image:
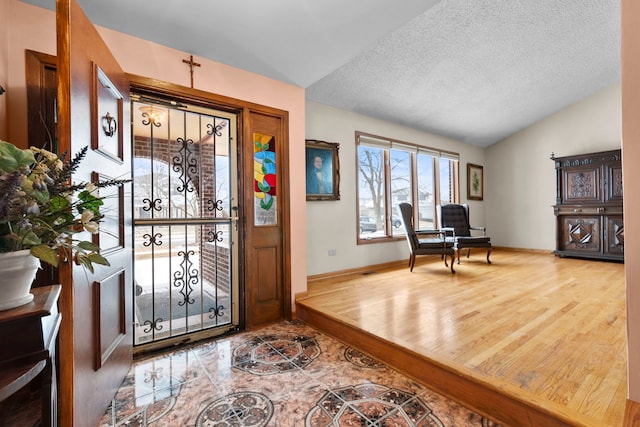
[
  {"x": 475, "y": 182},
  {"x": 323, "y": 170}
]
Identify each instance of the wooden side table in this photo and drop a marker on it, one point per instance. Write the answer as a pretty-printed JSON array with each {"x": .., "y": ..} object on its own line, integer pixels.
[{"x": 28, "y": 335}]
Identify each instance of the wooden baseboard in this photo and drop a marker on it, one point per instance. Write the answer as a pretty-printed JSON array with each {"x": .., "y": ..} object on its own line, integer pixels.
[
  {"x": 301, "y": 295},
  {"x": 356, "y": 270},
  {"x": 404, "y": 262},
  {"x": 509, "y": 249},
  {"x": 632, "y": 414}
]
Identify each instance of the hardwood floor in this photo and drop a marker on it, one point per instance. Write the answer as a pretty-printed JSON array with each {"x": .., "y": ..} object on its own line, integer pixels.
[{"x": 530, "y": 340}]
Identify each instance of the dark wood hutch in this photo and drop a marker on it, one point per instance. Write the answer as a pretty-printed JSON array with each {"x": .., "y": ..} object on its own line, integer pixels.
[{"x": 588, "y": 206}]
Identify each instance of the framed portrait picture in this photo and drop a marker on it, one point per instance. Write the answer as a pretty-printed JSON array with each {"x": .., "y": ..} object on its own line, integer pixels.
[
  {"x": 323, "y": 170},
  {"x": 475, "y": 182}
]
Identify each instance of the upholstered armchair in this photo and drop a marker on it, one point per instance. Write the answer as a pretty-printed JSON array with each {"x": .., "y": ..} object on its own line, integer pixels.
[
  {"x": 426, "y": 242},
  {"x": 454, "y": 221}
]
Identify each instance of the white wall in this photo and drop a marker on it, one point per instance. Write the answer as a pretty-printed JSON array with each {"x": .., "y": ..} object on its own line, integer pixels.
[
  {"x": 520, "y": 185},
  {"x": 333, "y": 224}
]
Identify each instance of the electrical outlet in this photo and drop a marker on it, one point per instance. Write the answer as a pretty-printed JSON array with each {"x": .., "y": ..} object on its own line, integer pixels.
[{"x": 332, "y": 252}]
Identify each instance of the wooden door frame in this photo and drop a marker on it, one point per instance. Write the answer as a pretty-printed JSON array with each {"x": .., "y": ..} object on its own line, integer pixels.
[
  {"x": 41, "y": 129},
  {"x": 244, "y": 109}
]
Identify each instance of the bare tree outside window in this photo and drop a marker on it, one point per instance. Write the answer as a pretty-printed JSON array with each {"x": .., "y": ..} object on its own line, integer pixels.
[
  {"x": 371, "y": 181},
  {"x": 389, "y": 176},
  {"x": 401, "y": 185}
]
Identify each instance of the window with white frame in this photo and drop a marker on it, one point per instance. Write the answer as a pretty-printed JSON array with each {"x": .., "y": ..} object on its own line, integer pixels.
[{"x": 391, "y": 172}]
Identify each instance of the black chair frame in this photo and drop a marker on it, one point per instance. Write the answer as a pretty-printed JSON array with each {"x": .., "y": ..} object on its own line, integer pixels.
[
  {"x": 435, "y": 244},
  {"x": 454, "y": 221}
]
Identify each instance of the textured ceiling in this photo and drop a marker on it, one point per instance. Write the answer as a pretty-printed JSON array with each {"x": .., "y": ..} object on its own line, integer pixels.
[
  {"x": 473, "y": 70},
  {"x": 479, "y": 71}
]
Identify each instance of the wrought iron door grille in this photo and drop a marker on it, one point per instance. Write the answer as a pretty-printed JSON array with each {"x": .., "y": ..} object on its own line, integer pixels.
[{"x": 183, "y": 229}]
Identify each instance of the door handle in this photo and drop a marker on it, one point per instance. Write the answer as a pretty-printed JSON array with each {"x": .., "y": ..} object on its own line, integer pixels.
[{"x": 234, "y": 219}]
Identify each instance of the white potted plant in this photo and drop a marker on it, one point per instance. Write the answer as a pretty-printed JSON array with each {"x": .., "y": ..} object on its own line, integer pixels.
[{"x": 42, "y": 214}]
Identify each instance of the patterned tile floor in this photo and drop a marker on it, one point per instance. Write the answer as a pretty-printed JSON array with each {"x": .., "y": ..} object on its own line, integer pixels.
[{"x": 288, "y": 374}]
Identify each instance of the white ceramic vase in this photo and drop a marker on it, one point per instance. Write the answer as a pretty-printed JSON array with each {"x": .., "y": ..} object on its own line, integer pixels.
[{"x": 17, "y": 271}]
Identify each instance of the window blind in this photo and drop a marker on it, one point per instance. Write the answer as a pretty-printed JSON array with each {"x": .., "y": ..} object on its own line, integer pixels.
[{"x": 387, "y": 144}]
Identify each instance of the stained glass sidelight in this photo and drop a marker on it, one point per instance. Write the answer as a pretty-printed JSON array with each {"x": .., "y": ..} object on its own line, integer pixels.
[{"x": 264, "y": 161}]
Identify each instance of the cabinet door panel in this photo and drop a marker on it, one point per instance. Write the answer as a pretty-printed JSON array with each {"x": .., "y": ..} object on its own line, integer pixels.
[
  {"x": 614, "y": 235},
  {"x": 580, "y": 234},
  {"x": 581, "y": 185},
  {"x": 613, "y": 183}
]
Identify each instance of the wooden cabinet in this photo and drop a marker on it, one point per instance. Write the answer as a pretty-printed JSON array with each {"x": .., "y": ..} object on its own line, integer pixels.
[
  {"x": 29, "y": 334},
  {"x": 588, "y": 207}
]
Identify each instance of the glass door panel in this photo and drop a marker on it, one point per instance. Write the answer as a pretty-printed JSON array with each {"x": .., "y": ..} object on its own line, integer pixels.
[{"x": 184, "y": 221}]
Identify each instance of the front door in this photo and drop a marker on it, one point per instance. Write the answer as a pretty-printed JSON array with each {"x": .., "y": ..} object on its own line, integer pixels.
[
  {"x": 186, "y": 231},
  {"x": 93, "y": 110},
  {"x": 257, "y": 209}
]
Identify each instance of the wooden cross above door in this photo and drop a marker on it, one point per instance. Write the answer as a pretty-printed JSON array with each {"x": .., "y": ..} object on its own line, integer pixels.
[{"x": 191, "y": 64}]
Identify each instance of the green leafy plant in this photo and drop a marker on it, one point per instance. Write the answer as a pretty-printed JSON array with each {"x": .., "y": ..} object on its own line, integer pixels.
[{"x": 42, "y": 210}]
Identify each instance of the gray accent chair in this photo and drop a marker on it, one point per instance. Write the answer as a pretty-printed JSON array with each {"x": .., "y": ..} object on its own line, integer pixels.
[{"x": 424, "y": 242}]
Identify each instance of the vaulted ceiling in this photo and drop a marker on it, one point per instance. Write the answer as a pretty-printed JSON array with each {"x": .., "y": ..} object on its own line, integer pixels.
[{"x": 474, "y": 70}]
